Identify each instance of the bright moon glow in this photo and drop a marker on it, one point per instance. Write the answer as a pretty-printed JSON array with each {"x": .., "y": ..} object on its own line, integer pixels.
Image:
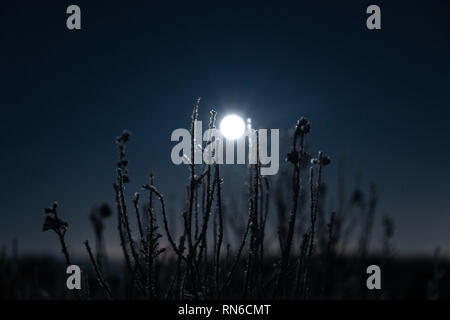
[{"x": 232, "y": 127}]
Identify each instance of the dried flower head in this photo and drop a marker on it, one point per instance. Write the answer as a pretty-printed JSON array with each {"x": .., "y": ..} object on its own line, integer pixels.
[
  {"x": 56, "y": 224},
  {"x": 293, "y": 157},
  {"x": 388, "y": 226},
  {"x": 97, "y": 215},
  {"x": 357, "y": 197},
  {"x": 52, "y": 209},
  {"x": 96, "y": 220},
  {"x": 326, "y": 160},
  {"x": 136, "y": 197},
  {"x": 124, "y": 137},
  {"x": 52, "y": 221},
  {"x": 302, "y": 127},
  {"x": 104, "y": 211},
  {"x": 321, "y": 160}
]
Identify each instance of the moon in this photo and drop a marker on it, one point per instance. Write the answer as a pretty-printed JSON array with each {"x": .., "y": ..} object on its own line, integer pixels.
[{"x": 232, "y": 127}]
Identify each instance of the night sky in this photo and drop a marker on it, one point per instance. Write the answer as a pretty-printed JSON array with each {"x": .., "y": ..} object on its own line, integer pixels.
[{"x": 378, "y": 98}]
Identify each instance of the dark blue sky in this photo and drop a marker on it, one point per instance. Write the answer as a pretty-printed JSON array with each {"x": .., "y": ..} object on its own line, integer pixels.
[{"x": 381, "y": 98}]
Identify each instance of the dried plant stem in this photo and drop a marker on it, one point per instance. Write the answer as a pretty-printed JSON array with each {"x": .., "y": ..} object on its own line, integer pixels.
[
  {"x": 257, "y": 264},
  {"x": 331, "y": 227},
  {"x": 297, "y": 157},
  {"x": 64, "y": 248},
  {"x": 307, "y": 275},
  {"x": 264, "y": 219},
  {"x": 150, "y": 237},
  {"x": 138, "y": 215},
  {"x": 53, "y": 222},
  {"x": 67, "y": 258},
  {"x": 165, "y": 222},
  {"x": 220, "y": 229},
  {"x": 124, "y": 220},
  {"x": 315, "y": 196},
  {"x": 100, "y": 278},
  {"x": 201, "y": 240},
  {"x": 125, "y": 217},
  {"x": 299, "y": 280},
  {"x": 192, "y": 184},
  {"x": 123, "y": 240},
  {"x": 202, "y": 235},
  {"x": 296, "y": 192},
  {"x": 251, "y": 205},
  {"x": 196, "y": 209},
  {"x": 330, "y": 256},
  {"x": 237, "y": 258},
  {"x": 120, "y": 229}
]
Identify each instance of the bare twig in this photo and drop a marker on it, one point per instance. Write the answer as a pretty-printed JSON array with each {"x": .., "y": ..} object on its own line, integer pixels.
[{"x": 100, "y": 278}]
